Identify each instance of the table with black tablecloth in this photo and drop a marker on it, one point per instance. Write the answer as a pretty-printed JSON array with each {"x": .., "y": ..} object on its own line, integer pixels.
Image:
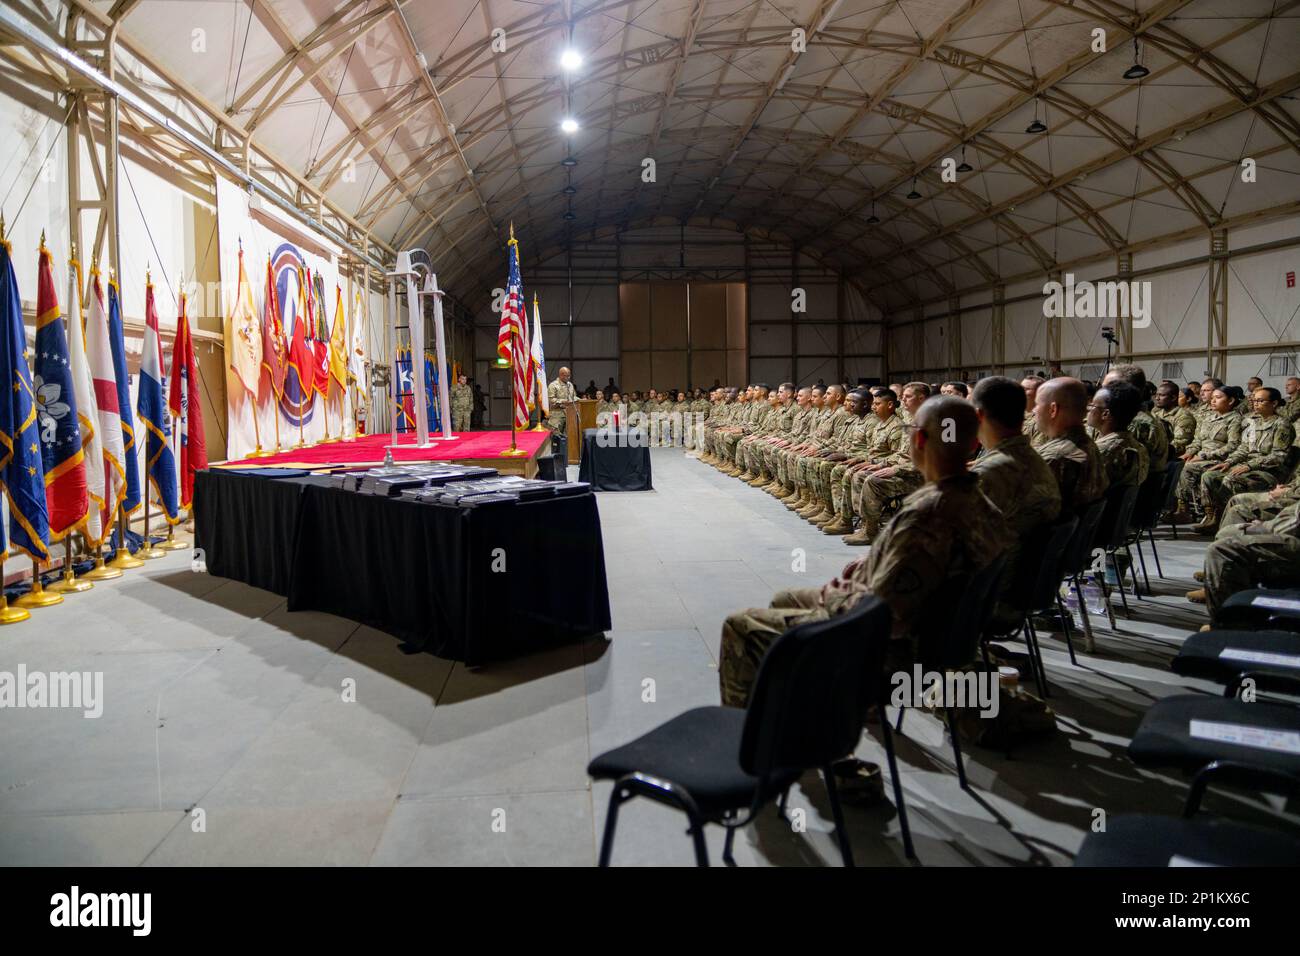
[
  {"x": 475, "y": 584},
  {"x": 615, "y": 461}
]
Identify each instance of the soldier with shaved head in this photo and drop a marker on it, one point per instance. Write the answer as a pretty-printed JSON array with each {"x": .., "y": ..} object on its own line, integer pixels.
[
  {"x": 947, "y": 529},
  {"x": 1059, "y": 409}
]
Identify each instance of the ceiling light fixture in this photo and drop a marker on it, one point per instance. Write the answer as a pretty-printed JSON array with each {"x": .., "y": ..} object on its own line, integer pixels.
[
  {"x": 963, "y": 166},
  {"x": 873, "y": 219},
  {"x": 569, "y": 124},
  {"x": 568, "y": 161},
  {"x": 914, "y": 194},
  {"x": 569, "y": 190},
  {"x": 1137, "y": 70},
  {"x": 1037, "y": 126},
  {"x": 571, "y": 59},
  {"x": 570, "y": 216}
]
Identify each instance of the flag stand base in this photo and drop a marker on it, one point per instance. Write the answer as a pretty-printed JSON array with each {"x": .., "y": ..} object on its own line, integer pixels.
[
  {"x": 173, "y": 543},
  {"x": 150, "y": 553},
  {"x": 69, "y": 583},
  {"x": 101, "y": 571},
  {"x": 125, "y": 560},
  {"x": 513, "y": 453},
  {"x": 38, "y": 596},
  {"x": 11, "y": 615}
]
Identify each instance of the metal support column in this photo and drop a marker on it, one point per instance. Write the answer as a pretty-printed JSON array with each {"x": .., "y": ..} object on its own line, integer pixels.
[
  {"x": 998, "y": 356},
  {"x": 1216, "y": 341}
]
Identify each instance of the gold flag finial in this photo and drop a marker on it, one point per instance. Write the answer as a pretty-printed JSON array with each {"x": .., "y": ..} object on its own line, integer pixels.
[
  {"x": 73, "y": 247},
  {"x": 512, "y": 228},
  {"x": 42, "y": 239},
  {"x": 2, "y": 227},
  {"x": 148, "y": 273}
]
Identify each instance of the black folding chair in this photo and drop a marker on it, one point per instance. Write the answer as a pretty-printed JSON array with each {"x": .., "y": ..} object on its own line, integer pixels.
[
  {"x": 1155, "y": 497},
  {"x": 952, "y": 636},
  {"x": 1258, "y": 608},
  {"x": 807, "y": 710},
  {"x": 1037, "y": 587},
  {"x": 1225, "y": 656},
  {"x": 1078, "y": 562},
  {"x": 1112, "y": 534}
]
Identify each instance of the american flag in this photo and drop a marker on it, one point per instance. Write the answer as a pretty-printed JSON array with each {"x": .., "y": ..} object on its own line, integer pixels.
[{"x": 512, "y": 338}]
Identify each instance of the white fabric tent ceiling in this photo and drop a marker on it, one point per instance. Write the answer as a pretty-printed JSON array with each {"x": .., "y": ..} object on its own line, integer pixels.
[{"x": 747, "y": 131}]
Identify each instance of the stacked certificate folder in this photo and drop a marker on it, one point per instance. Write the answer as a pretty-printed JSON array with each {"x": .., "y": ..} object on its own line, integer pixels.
[
  {"x": 502, "y": 489},
  {"x": 393, "y": 480}
]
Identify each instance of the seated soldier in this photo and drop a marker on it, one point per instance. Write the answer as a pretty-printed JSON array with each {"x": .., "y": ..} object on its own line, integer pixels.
[
  {"x": 1110, "y": 412},
  {"x": 1178, "y": 418},
  {"x": 1259, "y": 461},
  {"x": 1217, "y": 436},
  {"x": 947, "y": 529},
  {"x": 891, "y": 477},
  {"x": 1148, "y": 432},
  {"x": 1030, "y": 385},
  {"x": 879, "y": 436},
  {"x": 1011, "y": 473},
  {"x": 1071, "y": 456},
  {"x": 1258, "y": 554}
]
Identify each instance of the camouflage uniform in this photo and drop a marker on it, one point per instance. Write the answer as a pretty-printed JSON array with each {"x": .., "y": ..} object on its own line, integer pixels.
[
  {"x": 874, "y": 490},
  {"x": 1181, "y": 427},
  {"x": 1151, "y": 435},
  {"x": 1217, "y": 437},
  {"x": 1290, "y": 410},
  {"x": 1258, "y": 506},
  {"x": 945, "y": 530},
  {"x": 462, "y": 407},
  {"x": 1075, "y": 463},
  {"x": 1265, "y": 554},
  {"x": 1030, "y": 429},
  {"x": 858, "y": 446},
  {"x": 1123, "y": 458},
  {"x": 1265, "y": 445},
  {"x": 747, "y": 451},
  {"x": 556, "y": 393},
  {"x": 762, "y": 453},
  {"x": 888, "y": 446},
  {"x": 819, "y": 469},
  {"x": 787, "y": 459},
  {"x": 823, "y": 438},
  {"x": 776, "y": 455}
]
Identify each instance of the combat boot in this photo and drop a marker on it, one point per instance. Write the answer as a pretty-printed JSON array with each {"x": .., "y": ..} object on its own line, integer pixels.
[
  {"x": 1197, "y": 596},
  {"x": 1209, "y": 524}
]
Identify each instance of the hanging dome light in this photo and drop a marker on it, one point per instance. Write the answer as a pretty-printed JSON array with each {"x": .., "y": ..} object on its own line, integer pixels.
[
  {"x": 1037, "y": 126},
  {"x": 569, "y": 190},
  {"x": 571, "y": 59},
  {"x": 569, "y": 124},
  {"x": 1137, "y": 70},
  {"x": 568, "y": 161},
  {"x": 963, "y": 166},
  {"x": 570, "y": 216},
  {"x": 873, "y": 219},
  {"x": 914, "y": 194}
]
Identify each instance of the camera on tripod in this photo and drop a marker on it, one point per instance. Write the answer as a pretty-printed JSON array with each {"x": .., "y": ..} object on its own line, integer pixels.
[{"x": 1108, "y": 333}]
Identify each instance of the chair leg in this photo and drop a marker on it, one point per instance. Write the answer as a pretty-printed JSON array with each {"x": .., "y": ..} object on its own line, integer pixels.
[
  {"x": 616, "y": 799},
  {"x": 899, "y": 805},
  {"x": 697, "y": 835},
  {"x": 1088, "y": 640},
  {"x": 899, "y": 724},
  {"x": 1174, "y": 528},
  {"x": 1143, "y": 559},
  {"x": 782, "y": 800},
  {"x": 837, "y": 812},
  {"x": 956, "y": 749},
  {"x": 727, "y": 858},
  {"x": 1036, "y": 655},
  {"x": 1123, "y": 591},
  {"x": 1069, "y": 630},
  {"x": 1155, "y": 552},
  {"x": 1132, "y": 568},
  {"x": 1105, "y": 593}
]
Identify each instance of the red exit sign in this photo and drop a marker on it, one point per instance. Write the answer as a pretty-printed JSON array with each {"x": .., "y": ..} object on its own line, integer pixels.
[{"x": 1290, "y": 280}]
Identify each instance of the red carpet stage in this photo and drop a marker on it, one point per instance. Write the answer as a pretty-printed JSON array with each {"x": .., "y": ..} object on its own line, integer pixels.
[{"x": 477, "y": 448}]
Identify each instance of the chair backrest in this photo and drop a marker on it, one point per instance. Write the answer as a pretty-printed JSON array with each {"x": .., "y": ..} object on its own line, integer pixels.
[
  {"x": 1051, "y": 565},
  {"x": 1173, "y": 473},
  {"x": 1150, "y": 501},
  {"x": 963, "y": 605},
  {"x": 813, "y": 689},
  {"x": 1113, "y": 528},
  {"x": 1078, "y": 554}
]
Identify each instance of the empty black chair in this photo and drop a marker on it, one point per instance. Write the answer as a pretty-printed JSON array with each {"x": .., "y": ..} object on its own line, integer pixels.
[
  {"x": 1275, "y": 608},
  {"x": 806, "y": 710},
  {"x": 1155, "y": 497},
  {"x": 1175, "y": 472},
  {"x": 1191, "y": 731},
  {"x": 1077, "y": 563},
  {"x": 952, "y": 635},
  {"x": 1225, "y": 656},
  {"x": 1112, "y": 534}
]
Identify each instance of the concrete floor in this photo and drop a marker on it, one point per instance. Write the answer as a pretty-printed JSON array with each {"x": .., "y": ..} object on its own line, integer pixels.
[{"x": 225, "y": 738}]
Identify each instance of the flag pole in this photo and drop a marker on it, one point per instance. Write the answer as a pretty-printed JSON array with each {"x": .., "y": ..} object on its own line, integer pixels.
[
  {"x": 9, "y": 615},
  {"x": 147, "y": 550},
  {"x": 69, "y": 584},
  {"x": 513, "y": 450}
]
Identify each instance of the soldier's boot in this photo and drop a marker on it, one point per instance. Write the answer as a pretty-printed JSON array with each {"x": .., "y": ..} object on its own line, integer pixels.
[
  {"x": 838, "y": 526},
  {"x": 822, "y": 515},
  {"x": 1209, "y": 524},
  {"x": 1197, "y": 596},
  {"x": 812, "y": 507},
  {"x": 864, "y": 535},
  {"x": 798, "y": 501},
  {"x": 1198, "y": 577},
  {"x": 1181, "y": 515}
]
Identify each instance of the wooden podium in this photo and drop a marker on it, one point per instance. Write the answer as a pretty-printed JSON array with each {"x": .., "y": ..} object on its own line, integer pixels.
[{"x": 579, "y": 416}]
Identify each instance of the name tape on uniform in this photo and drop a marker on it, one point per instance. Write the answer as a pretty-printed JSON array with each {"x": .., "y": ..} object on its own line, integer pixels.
[
  {"x": 1260, "y": 657},
  {"x": 1275, "y": 603}
]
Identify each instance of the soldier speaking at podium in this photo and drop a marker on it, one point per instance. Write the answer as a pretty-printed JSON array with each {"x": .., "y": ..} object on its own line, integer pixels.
[{"x": 559, "y": 394}]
